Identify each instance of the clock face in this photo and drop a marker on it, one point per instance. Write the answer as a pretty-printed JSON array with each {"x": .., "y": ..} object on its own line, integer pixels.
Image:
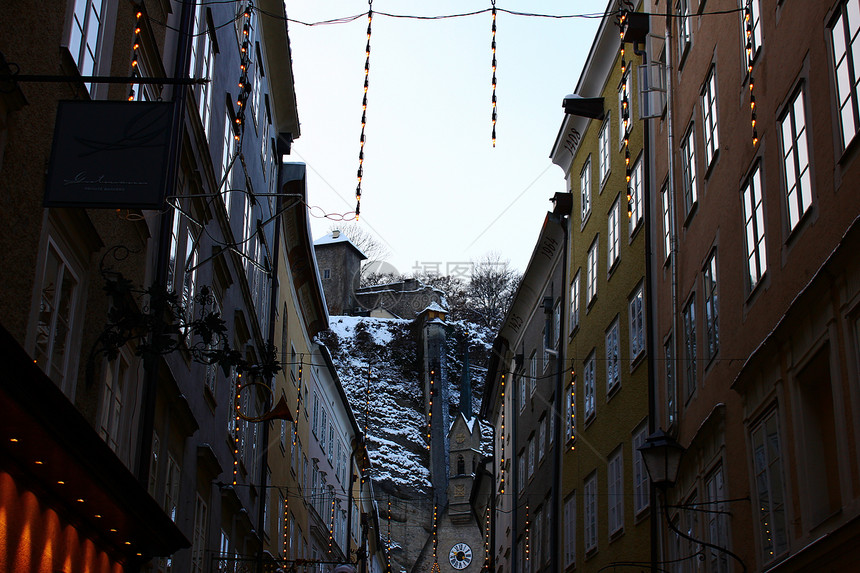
[{"x": 460, "y": 556}]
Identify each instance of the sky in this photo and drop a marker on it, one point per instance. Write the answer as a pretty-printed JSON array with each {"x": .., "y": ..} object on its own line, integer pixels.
[{"x": 435, "y": 192}]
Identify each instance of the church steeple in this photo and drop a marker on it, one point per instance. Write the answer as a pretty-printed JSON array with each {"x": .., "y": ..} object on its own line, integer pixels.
[{"x": 466, "y": 389}]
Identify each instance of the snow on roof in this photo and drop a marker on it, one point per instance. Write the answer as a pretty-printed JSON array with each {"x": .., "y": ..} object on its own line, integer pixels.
[
  {"x": 435, "y": 307},
  {"x": 334, "y": 238}
]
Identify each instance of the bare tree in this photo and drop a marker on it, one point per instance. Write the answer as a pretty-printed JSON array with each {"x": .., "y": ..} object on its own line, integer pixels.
[
  {"x": 372, "y": 246},
  {"x": 491, "y": 290}
]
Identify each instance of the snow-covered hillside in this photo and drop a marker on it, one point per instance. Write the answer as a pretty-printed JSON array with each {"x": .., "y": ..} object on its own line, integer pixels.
[{"x": 379, "y": 364}]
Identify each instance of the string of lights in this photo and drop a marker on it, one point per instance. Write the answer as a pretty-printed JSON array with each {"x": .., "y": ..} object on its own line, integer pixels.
[
  {"x": 502, "y": 437},
  {"x": 245, "y": 86},
  {"x": 430, "y": 409},
  {"x": 360, "y": 173},
  {"x": 135, "y": 51},
  {"x": 748, "y": 23},
  {"x": 286, "y": 541},
  {"x": 236, "y": 428},
  {"x": 572, "y": 409},
  {"x": 493, "y": 48},
  {"x": 388, "y": 542},
  {"x": 527, "y": 533}
]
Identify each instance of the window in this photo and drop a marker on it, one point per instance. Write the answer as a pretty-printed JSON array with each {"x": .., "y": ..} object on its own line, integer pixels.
[
  {"x": 634, "y": 205},
  {"x": 590, "y": 518},
  {"x": 541, "y": 439},
  {"x": 588, "y": 377},
  {"x": 671, "y": 385},
  {"x": 591, "y": 278},
  {"x": 323, "y": 428},
  {"x": 709, "y": 117},
  {"x": 795, "y": 160},
  {"x": 537, "y": 539},
  {"x": 585, "y": 189},
  {"x": 86, "y": 35},
  {"x": 532, "y": 373},
  {"x": 770, "y": 493},
  {"x": 315, "y": 418},
  {"x": 211, "y": 379},
  {"x": 574, "y": 301},
  {"x": 667, "y": 220},
  {"x": 116, "y": 373},
  {"x": 198, "y": 539},
  {"x": 189, "y": 279},
  {"x": 616, "y": 492},
  {"x": 330, "y": 444},
  {"x": 551, "y": 423},
  {"x": 717, "y": 527},
  {"x": 641, "y": 485},
  {"x": 688, "y": 170},
  {"x": 173, "y": 269},
  {"x": 637, "y": 323},
  {"x": 754, "y": 235},
  {"x": 531, "y": 457},
  {"x": 612, "y": 358},
  {"x": 570, "y": 530},
  {"x": 522, "y": 386},
  {"x": 153, "y": 464},
  {"x": 202, "y": 65},
  {"x": 685, "y": 34},
  {"x": 689, "y": 317},
  {"x": 603, "y": 150},
  {"x": 171, "y": 487},
  {"x": 227, "y": 151},
  {"x": 326, "y": 273},
  {"x": 712, "y": 306},
  {"x": 755, "y": 21},
  {"x": 844, "y": 37},
  {"x": 613, "y": 224},
  {"x": 521, "y": 470},
  {"x": 58, "y": 301}
]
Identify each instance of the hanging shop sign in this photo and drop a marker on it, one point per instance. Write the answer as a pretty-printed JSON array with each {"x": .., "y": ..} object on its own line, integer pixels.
[{"x": 109, "y": 154}]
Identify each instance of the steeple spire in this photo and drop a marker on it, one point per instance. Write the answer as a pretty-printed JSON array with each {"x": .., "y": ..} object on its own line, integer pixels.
[{"x": 466, "y": 388}]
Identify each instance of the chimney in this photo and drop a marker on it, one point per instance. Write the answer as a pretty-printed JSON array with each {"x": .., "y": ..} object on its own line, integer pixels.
[{"x": 335, "y": 234}]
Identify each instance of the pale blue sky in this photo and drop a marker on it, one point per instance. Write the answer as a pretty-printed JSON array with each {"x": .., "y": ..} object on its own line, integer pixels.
[{"x": 434, "y": 189}]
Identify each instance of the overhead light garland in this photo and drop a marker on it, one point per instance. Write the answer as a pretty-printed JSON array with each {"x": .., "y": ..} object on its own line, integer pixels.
[
  {"x": 135, "y": 51},
  {"x": 435, "y": 538},
  {"x": 236, "y": 429},
  {"x": 331, "y": 523},
  {"x": 502, "y": 445},
  {"x": 528, "y": 532},
  {"x": 298, "y": 401},
  {"x": 625, "y": 114},
  {"x": 286, "y": 538},
  {"x": 493, "y": 47},
  {"x": 750, "y": 55},
  {"x": 364, "y": 110},
  {"x": 388, "y": 543},
  {"x": 572, "y": 409},
  {"x": 245, "y": 86},
  {"x": 487, "y": 539},
  {"x": 430, "y": 409}
]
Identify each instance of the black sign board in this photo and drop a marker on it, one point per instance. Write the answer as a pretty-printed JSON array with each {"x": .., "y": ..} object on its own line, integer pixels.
[{"x": 109, "y": 154}]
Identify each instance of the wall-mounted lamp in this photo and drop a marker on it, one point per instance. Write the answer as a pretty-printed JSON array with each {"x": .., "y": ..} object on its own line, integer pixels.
[
  {"x": 662, "y": 456},
  {"x": 591, "y": 107}
]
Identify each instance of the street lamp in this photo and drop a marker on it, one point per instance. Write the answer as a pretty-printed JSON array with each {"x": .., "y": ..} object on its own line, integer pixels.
[{"x": 662, "y": 456}]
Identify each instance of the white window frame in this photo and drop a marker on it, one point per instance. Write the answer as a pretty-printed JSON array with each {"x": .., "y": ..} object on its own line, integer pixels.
[
  {"x": 533, "y": 371},
  {"x": 710, "y": 301},
  {"x": 755, "y": 5},
  {"x": 717, "y": 521},
  {"x": 688, "y": 169},
  {"x": 589, "y": 495},
  {"x": 172, "y": 482},
  {"x": 615, "y": 499},
  {"x": 89, "y": 33},
  {"x": 795, "y": 159},
  {"x": 613, "y": 357},
  {"x": 688, "y": 318},
  {"x": 754, "y": 226},
  {"x": 685, "y": 33},
  {"x": 710, "y": 117},
  {"x": 574, "y": 300},
  {"x": 666, "y": 198},
  {"x": 585, "y": 190},
  {"x": 198, "y": 539},
  {"x": 767, "y": 465},
  {"x": 531, "y": 466},
  {"x": 542, "y": 439},
  {"x": 115, "y": 392},
  {"x": 846, "y": 69},
  {"x": 636, "y": 314},
  {"x": 588, "y": 376},
  {"x": 635, "y": 209},
  {"x": 613, "y": 228},
  {"x": 591, "y": 278},
  {"x": 61, "y": 367},
  {"x": 603, "y": 151},
  {"x": 641, "y": 483},
  {"x": 570, "y": 530}
]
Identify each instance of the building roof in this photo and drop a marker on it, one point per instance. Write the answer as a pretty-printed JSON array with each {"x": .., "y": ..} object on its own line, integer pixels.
[{"x": 338, "y": 238}]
